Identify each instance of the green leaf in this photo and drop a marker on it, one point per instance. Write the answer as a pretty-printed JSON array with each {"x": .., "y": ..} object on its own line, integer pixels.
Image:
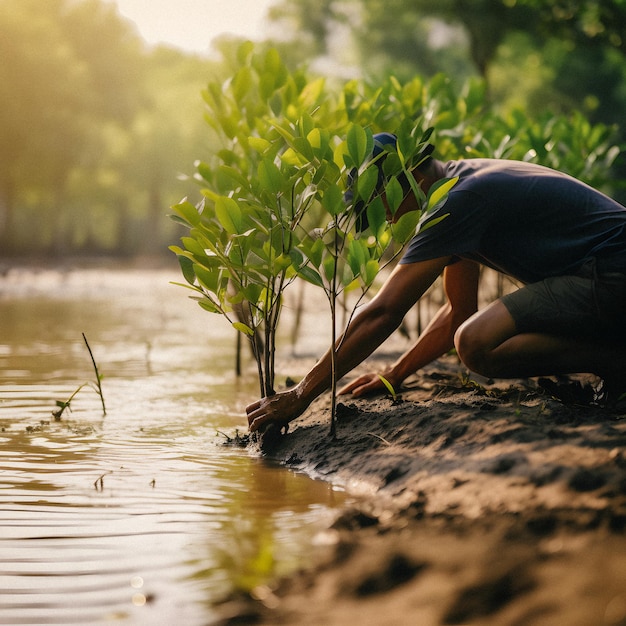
[
  {"x": 244, "y": 51},
  {"x": 356, "y": 255},
  {"x": 192, "y": 245},
  {"x": 204, "y": 169},
  {"x": 209, "y": 305},
  {"x": 267, "y": 85},
  {"x": 315, "y": 138},
  {"x": 393, "y": 165},
  {"x": 394, "y": 194},
  {"x": 270, "y": 176},
  {"x": 207, "y": 278},
  {"x": 293, "y": 157},
  {"x": 332, "y": 201},
  {"x": 366, "y": 183},
  {"x": 302, "y": 146},
  {"x": 376, "y": 215},
  {"x": 252, "y": 292},
  {"x": 389, "y": 386},
  {"x": 346, "y": 275},
  {"x": 186, "y": 266},
  {"x": 311, "y": 93},
  {"x": 235, "y": 175},
  {"x": 433, "y": 222},
  {"x": 242, "y": 83},
  {"x": 372, "y": 268},
  {"x": 311, "y": 276},
  {"x": 282, "y": 262},
  {"x": 316, "y": 251},
  {"x": 297, "y": 258},
  {"x": 243, "y": 328},
  {"x": 229, "y": 214},
  {"x": 179, "y": 220},
  {"x": 360, "y": 144},
  {"x": 328, "y": 265},
  {"x": 259, "y": 144},
  {"x": 188, "y": 212},
  {"x": 439, "y": 192},
  {"x": 406, "y": 226}
]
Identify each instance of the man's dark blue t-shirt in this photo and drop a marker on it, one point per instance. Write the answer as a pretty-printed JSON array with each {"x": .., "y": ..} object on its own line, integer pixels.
[{"x": 525, "y": 220}]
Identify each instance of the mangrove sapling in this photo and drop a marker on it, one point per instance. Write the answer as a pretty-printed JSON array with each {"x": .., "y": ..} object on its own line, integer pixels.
[
  {"x": 337, "y": 260},
  {"x": 237, "y": 256}
]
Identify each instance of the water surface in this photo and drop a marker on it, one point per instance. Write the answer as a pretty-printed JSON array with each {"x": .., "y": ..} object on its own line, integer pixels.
[{"x": 142, "y": 515}]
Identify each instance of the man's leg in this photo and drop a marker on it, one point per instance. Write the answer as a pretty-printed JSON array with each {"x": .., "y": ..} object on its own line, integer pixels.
[{"x": 488, "y": 344}]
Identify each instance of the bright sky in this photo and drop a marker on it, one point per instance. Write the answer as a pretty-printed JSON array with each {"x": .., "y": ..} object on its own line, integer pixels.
[{"x": 193, "y": 24}]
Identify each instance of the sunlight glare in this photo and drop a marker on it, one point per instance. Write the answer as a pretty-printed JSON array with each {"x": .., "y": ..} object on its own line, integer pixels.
[{"x": 191, "y": 25}]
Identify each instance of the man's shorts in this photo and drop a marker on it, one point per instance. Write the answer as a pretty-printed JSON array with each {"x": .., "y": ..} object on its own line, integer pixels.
[{"x": 588, "y": 304}]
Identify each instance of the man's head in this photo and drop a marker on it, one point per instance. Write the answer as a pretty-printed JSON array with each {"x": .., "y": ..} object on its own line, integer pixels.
[{"x": 378, "y": 156}]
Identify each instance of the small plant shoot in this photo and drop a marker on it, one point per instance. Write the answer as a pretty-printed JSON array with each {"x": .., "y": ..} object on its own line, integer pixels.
[{"x": 63, "y": 405}]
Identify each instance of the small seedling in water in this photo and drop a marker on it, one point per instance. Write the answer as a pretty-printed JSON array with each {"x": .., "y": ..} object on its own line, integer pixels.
[
  {"x": 237, "y": 440},
  {"x": 97, "y": 386},
  {"x": 65, "y": 405}
]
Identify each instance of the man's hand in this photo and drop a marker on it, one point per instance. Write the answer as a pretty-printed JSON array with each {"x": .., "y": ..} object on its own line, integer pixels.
[
  {"x": 279, "y": 409},
  {"x": 368, "y": 384}
]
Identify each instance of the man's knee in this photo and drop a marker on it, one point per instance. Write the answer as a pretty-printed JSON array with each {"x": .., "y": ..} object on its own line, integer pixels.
[
  {"x": 477, "y": 340},
  {"x": 472, "y": 351}
]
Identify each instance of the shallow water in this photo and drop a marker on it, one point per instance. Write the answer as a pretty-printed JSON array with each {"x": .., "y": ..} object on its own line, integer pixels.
[{"x": 142, "y": 515}]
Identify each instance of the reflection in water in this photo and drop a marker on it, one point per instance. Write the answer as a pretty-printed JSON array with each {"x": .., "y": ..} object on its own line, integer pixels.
[{"x": 141, "y": 516}]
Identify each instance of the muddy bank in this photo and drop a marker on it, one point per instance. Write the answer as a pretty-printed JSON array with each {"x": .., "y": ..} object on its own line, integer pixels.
[{"x": 480, "y": 503}]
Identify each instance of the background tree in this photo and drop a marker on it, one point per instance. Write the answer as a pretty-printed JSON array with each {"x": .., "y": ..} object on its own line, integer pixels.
[
  {"x": 66, "y": 70},
  {"x": 95, "y": 130},
  {"x": 404, "y": 31},
  {"x": 539, "y": 56}
]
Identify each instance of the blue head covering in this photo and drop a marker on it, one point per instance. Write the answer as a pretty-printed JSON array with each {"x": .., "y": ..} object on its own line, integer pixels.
[{"x": 380, "y": 141}]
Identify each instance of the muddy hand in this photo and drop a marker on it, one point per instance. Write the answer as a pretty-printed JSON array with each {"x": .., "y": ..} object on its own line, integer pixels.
[{"x": 279, "y": 409}]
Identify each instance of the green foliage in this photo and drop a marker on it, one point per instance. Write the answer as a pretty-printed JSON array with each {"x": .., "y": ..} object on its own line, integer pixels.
[
  {"x": 274, "y": 207},
  {"x": 66, "y": 72},
  {"x": 567, "y": 143},
  {"x": 545, "y": 58},
  {"x": 259, "y": 189}
]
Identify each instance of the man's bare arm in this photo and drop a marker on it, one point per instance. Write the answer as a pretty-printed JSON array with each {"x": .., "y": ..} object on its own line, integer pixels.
[
  {"x": 461, "y": 288},
  {"x": 377, "y": 320}
]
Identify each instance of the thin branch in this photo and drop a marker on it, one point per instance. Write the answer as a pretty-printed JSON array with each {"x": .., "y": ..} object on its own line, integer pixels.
[{"x": 98, "y": 376}]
